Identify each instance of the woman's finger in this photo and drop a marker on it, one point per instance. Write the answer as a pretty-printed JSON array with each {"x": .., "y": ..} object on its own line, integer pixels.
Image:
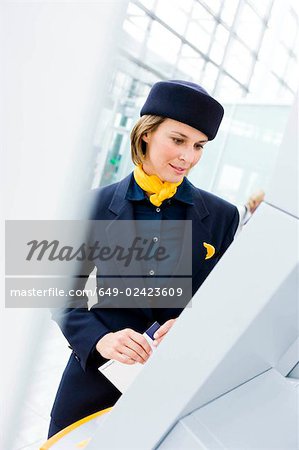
[
  {"x": 141, "y": 341},
  {"x": 127, "y": 346},
  {"x": 131, "y": 353},
  {"x": 121, "y": 357},
  {"x": 157, "y": 341},
  {"x": 138, "y": 349},
  {"x": 164, "y": 329}
]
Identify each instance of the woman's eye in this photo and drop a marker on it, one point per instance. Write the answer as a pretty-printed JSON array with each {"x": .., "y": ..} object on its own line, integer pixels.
[
  {"x": 177, "y": 141},
  {"x": 198, "y": 146}
]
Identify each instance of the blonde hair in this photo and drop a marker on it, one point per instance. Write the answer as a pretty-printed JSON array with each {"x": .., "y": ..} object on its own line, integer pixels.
[{"x": 145, "y": 124}]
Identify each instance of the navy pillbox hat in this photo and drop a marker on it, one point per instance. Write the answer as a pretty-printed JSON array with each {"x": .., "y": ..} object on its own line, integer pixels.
[{"x": 185, "y": 102}]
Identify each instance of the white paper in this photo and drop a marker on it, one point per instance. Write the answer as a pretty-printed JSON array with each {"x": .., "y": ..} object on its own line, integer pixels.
[{"x": 120, "y": 374}]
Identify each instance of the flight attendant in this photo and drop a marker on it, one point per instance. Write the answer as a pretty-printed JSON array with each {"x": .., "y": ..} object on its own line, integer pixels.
[{"x": 177, "y": 120}]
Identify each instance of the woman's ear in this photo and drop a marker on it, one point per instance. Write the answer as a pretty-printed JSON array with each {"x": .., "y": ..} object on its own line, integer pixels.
[{"x": 145, "y": 137}]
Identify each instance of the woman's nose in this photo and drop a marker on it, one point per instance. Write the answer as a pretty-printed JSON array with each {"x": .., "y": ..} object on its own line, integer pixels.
[{"x": 187, "y": 154}]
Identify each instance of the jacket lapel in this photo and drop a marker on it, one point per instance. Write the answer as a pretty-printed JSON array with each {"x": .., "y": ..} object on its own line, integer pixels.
[
  {"x": 124, "y": 234},
  {"x": 192, "y": 259},
  {"x": 200, "y": 232},
  {"x": 122, "y": 230}
]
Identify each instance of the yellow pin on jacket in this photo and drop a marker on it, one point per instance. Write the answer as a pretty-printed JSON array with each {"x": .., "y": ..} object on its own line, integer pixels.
[{"x": 210, "y": 250}]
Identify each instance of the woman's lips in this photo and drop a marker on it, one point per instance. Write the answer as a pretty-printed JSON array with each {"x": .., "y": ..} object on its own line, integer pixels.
[{"x": 178, "y": 169}]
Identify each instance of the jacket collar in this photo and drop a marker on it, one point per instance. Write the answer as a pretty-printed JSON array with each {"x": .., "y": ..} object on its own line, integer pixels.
[
  {"x": 123, "y": 208},
  {"x": 119, "y": 205},
  {"x": 183, "y": 193}
]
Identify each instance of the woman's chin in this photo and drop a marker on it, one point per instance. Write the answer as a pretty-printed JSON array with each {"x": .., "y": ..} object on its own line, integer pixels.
[{"x": 173, "y": 178}]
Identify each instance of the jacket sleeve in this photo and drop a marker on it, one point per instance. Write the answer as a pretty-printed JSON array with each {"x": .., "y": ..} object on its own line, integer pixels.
[{"x": 80, "y": 326}]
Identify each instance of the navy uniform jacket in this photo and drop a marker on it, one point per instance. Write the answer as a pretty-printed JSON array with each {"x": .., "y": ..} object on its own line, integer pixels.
[{"x": 83, "y": 389}]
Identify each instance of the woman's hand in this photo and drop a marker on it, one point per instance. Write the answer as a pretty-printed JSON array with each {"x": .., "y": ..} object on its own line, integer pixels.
[
  {"x": 163, "y": 330},
  {"x": 126, "y": 346}
]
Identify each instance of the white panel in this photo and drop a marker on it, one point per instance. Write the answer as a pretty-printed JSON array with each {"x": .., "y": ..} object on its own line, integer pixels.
[
  {"x": 265, "y": 339},
  {"x": 243, "y": 319},
  {"x": 284, "y": 188},
  {"x": 261, "y": 414},
  {"x": 295, "y": 372},
  {"x": 289, "y": 360},
  {"x": 183, "y": 436},
  {"x": 56, "y": 62}
]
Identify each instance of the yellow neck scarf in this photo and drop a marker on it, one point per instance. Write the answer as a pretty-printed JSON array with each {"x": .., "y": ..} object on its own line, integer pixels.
[{"x": 158, "y": 190}]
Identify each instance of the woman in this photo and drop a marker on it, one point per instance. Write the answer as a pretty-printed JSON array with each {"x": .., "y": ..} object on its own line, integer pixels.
[{"x": 177, "y": 120}]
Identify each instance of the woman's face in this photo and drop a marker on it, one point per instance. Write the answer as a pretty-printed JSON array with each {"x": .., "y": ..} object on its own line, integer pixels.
[{"x": 172, "y": 149}]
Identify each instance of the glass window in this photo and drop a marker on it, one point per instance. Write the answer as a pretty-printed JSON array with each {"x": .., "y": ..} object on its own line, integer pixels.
[
  {"x": 280, "y": 61},
  {"x": 271, "y": 87},
  {"x": 257, "y": 80},
  {"x": 254, "y": 134},
  {"x": 120, "y": 81},
  {"x": 201, "y": 16},
  {"x": 292, "y": 74},
  {"x": 122, "y": 121},
  {"x": 214, "y": 5},
  {"x": 238, "y": 61},
  {"x": 252, "y": 185},
  {"x": 185, "y": 6},
  {"x": 163, "y": 42},
  {"x": 136, "y": 22},
  {"x": 149, "y": 4},
  {"x": 261, "y": 7},
  {"x": 267, "y": 45},
  {"x": 174, "y": 14},
  {"x": 198, "y": 37},
  {"x": 229, "y": 180},
  {"x": 290, "y": 30},
  {"x": 190, "y": 62},
  {"x": 228, "y": 11},
  {"x": 219, "y": 44},
  {"x": 209, "y": 77},
  {"x": 201, "y": 27},
  {"x": 249, "y": 27},
  {"x": 228, "y": 90},
  {"x": 285, "y": 94},
  {"x": 113, "y": 159}
]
